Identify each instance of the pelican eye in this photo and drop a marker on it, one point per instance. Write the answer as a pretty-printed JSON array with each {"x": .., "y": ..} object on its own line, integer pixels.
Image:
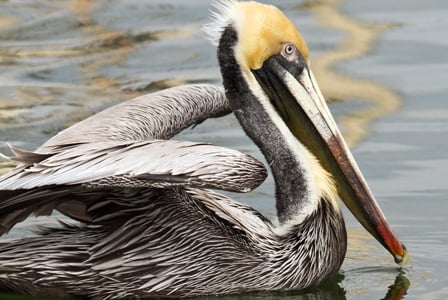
[{"x": 288, "y": 50}]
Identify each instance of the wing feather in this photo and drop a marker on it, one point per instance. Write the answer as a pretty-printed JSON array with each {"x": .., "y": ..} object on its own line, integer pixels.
[
  {"x": 77, "y": 179},
  {"x": 133, "y": 164},
  {"x": 93, "y": 170},
  {"x": 159, "y": 115}
]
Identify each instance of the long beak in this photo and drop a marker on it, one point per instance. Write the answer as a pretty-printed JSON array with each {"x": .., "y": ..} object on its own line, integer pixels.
[{"x": 300, "y": 103}]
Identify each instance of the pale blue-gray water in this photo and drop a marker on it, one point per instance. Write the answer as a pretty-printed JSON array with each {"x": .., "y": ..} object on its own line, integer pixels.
[{"x": 382, "y": 64}]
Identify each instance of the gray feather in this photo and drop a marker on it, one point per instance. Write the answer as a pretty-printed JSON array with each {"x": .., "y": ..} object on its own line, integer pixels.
[
  {"x": 103, "y": 164},
  {"x": 159, "y": 115}
]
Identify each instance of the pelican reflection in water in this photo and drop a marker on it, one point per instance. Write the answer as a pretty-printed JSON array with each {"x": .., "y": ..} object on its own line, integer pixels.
[{"x": 150, "y": 222}]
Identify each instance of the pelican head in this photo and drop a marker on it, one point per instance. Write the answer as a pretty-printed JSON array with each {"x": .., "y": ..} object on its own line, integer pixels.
[{"x": 266, "y": 70}]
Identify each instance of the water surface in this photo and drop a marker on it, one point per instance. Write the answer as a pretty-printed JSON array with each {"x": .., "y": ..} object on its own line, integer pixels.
[{"x": 381, "y": 63}]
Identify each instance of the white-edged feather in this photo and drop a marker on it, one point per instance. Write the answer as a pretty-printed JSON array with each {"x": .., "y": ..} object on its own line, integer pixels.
[
  {"x": 223, "y": 16},
  {"x": 84, "y": 163},
  {"x": 3, "y": 156}
]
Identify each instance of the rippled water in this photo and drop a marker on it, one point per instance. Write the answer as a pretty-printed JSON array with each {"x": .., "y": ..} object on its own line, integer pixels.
[{"x": 383, "y": 64}]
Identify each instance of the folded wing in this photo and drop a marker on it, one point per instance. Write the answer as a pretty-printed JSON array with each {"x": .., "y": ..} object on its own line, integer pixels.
[
  {"x": 156, "y": 163},
  {"x": 117, "y": 152}
]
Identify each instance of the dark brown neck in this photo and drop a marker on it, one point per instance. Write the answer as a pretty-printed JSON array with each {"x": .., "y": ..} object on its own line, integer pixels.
[{"x": 292, "y": 188}]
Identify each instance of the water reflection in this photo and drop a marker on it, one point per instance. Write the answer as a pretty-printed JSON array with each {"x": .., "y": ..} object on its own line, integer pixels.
[
  {"x": 329, "y": 290},
  {"x": 51, "y": 58},
  {"x": 62, "y": 61},
  {"x": 55, "y": 72},
  {"x": 398, "y": 289},
  {"x": 359, "y": 39}
]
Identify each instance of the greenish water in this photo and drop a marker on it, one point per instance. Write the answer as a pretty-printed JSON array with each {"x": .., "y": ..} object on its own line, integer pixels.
[{"x": 385, "y": 62}]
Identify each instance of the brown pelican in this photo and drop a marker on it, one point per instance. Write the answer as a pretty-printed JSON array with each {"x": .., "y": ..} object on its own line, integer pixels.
[{"x": 150, "y": 223}]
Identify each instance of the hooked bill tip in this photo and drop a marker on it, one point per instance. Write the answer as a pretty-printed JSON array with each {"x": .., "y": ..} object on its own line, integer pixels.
[{"x": 402, "y": 260}]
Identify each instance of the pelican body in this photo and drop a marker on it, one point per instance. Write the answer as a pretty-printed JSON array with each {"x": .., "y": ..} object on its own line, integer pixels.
[{"x": 150, "y": 222}]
